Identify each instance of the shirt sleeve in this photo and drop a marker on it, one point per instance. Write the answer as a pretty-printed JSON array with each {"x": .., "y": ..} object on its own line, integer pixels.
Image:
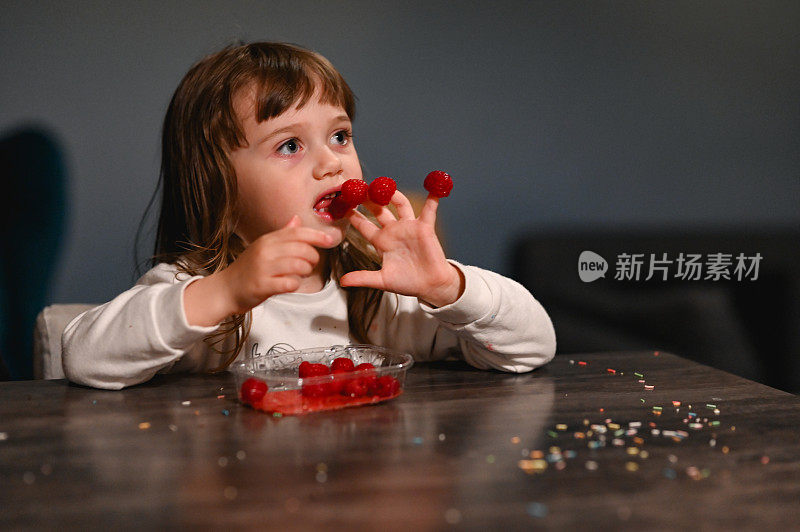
[
  {"x": 139, "y": 333},
  {"x": 495, "y": 324}
]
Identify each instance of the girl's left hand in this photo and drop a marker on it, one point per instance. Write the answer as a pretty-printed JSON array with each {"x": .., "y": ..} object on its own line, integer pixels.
[{"x": 413, "y": 260}]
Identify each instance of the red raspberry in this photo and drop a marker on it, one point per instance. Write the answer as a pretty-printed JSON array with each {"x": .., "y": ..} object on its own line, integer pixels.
[
  {"x": 355, "y": 388},
  {"x": 343, "y": 364},
  {"x": 307, "y": 369},
  {"x": 339, "y": 208},
  {"x": 337, "y": 385},
  {"x": 253, "y": 390},
  {"x": 303, "y": 369},
  {"x": 354, "y": 192},
  {"x": 369, "y": 378},
  {"x": 381, "y": 190},
  {"x": 316, "y": 390},
  {"x": 314, "y": 370},
  {"x": 439, "y": 184},
  {"x": 387, "y": 386}
]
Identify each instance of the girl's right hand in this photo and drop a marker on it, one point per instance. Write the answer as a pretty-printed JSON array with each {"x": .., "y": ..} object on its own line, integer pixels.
[{"x": 274, "y": 263}]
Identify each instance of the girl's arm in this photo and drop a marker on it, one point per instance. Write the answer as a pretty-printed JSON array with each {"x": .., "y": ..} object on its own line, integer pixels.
[
  {"x": 495, "y": 324},
  {"x": 137, "y": 334},
  {"x": 443, "y": 306},
  {"x": 275, "y": 263},
  {"x": 159, "y": 324}
]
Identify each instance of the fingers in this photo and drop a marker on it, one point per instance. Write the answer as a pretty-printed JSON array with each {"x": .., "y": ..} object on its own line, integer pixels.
[
  {"x": 306, "y": 235},
  {"x": 291, "y": 266},
  {"x": 404, "y": 209},
  {"x": 298, "y": 250},
  {"x": 363, "y": 225},
  {"x": 382, "y": 214},
  {"x": 365, "y": 278},
  {"x": 428, "y": 213},
  {"x": 294, "y": 222}
]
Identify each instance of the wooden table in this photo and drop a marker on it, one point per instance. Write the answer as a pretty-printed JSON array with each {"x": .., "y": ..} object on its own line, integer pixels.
[{"x": 461, "y": 448}]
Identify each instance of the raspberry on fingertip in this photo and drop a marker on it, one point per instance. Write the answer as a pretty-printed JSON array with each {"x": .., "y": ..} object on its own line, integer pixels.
[
  {"x": 438, "y": 184},
  {"x": 381, "y": 190}
]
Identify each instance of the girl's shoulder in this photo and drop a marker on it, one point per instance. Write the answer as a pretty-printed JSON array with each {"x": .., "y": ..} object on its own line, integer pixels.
[{"x": 163, "y": 273}]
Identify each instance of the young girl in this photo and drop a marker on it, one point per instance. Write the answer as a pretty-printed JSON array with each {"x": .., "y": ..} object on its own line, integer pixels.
[{"x": 257, "y": 140}]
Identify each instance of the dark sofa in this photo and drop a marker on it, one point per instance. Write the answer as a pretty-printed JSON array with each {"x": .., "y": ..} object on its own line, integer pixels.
[{"x": 750, "y": 327}]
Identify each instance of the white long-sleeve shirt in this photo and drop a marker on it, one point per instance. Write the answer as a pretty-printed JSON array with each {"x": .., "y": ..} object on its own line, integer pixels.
[{"x": 496, "y": 323}]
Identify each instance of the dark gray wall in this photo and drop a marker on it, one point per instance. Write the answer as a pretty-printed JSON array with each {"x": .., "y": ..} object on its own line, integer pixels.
[{"x": 548, "y": 115}]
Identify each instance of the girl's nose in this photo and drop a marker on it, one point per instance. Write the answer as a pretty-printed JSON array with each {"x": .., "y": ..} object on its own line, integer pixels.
[{"x": 328, "y": 164}]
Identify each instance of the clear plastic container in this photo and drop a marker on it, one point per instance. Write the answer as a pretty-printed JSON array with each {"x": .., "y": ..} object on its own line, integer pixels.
[{"x": 288, "y": 394}]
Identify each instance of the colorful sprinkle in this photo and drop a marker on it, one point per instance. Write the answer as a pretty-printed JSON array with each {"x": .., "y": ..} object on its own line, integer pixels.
[{"x": 532, "y": 466}]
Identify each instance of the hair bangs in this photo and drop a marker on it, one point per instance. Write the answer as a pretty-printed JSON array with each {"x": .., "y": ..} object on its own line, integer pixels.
[{"x": 288, "y": 80}]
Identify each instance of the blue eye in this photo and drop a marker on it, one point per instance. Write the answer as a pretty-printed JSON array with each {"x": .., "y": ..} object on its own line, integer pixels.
[
  {"x": 342, "y": 137},
  {"x": 289, "y": 147}
]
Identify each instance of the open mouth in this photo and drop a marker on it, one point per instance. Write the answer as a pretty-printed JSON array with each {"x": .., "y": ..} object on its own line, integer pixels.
[{"x": 324, "y": 202}]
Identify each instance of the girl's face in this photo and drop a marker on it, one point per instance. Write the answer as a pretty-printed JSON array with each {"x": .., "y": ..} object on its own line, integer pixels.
[{"x": 290, "y": 164}]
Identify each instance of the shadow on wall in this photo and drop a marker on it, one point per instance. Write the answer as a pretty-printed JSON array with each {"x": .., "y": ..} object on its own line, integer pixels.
[
  {"x": 33, "y": 215},
  {"x": 747, "y": 324}
]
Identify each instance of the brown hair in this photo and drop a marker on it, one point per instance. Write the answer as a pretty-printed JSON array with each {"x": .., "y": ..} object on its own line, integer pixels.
[{"x": 198, "y": 214}]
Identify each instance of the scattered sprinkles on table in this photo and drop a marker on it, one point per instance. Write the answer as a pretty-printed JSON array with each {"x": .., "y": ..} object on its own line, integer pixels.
[{"x": 629, "y": 436}]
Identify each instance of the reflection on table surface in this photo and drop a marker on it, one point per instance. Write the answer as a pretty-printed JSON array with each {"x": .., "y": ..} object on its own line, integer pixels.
[{"x": 579, "y": 442}]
